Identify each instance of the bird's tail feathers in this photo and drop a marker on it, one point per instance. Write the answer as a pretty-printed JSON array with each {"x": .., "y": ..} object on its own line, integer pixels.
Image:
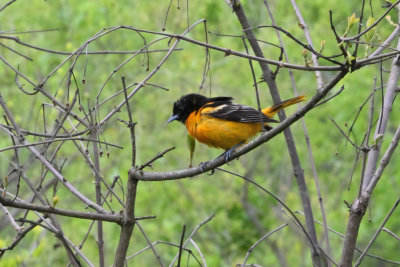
[{"x": 271, "y": 111}]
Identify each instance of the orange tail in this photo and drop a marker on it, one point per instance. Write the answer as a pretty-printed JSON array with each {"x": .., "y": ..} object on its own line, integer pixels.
[{"x": 271, "y": 111}]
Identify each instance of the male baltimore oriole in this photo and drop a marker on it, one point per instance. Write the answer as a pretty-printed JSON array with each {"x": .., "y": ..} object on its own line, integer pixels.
[{"x": 218, "y": 122}]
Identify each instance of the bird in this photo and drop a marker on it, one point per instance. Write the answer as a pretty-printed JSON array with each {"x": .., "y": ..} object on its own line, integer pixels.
[{"x": 220, "y": 123}]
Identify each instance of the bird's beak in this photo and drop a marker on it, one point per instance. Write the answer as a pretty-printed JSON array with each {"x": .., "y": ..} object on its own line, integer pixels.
[{"x": 172, "y": 118}]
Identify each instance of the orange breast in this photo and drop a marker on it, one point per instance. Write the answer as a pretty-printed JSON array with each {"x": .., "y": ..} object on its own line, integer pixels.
[{"x": 219, "y": 133}]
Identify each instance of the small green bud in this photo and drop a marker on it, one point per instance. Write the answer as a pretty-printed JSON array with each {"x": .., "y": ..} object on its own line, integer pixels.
[
  {"x": 55, "y": 201},
  {"x": 322, "y": 46},
  {"x": 377, "y": 139}
]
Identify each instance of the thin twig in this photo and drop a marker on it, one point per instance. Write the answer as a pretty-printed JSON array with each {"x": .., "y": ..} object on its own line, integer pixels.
[
  {"x": 58, "y": 140},
  {"x": 51, "y": 51},
  {"x": 200, "y": 253},
  {"x": 386, "y": 43},
  {"x": 360, "y": 23},
  {"x": 160, "y": 242},
  {"x": 97, "y": 185},
  {"x": 383, "y": 163},
  {"x": 16, "y": 52},
  {"x": 276, "y": 198},
  {"x": 11, "y": 219},
  {"x": 7, "y": 4},
  {"x": 69, "y": 213},
  {"x": 180, "y": 246},
  {"x": 338, "y": 92},
  {"x": 259, "y": 241},
  {"x": 156, "y": 157},
  {"x": 338, "y": 40},
  {"x": 191, "y": 235},
  {"x": 115, "y": 70},
  {"x": 131, "y": 125},
  {"x": 307, "y": 47},
  {"x": 347, "y": 138},
  {"x": 150, "y": 244},
  {"x": 373, "y": 24},
  {"x": 391, "y": 233},
  {"x": 151, "y": 74},
  {"x": 19, "y": 237}
]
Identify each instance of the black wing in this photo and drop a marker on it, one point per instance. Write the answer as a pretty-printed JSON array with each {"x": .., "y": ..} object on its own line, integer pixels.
[{"x": 235, "y": 112}]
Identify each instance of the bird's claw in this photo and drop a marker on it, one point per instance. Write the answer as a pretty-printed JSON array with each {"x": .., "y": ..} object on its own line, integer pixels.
[
  {"x": 202, "y": 165},
  {"x": 202, "y": 168},
  {"x": 228, "y": 154}
]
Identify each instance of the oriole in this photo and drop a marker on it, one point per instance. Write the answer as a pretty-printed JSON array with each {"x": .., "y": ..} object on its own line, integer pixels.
[{"x": 218, "y": 122}]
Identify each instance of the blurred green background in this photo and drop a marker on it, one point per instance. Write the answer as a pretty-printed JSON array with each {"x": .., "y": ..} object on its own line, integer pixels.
[{"x": 226, "y": 238}]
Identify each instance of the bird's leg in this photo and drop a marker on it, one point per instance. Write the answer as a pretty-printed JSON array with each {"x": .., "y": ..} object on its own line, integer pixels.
[
  {"x": 202, "y": 167},
  {"x": 228, "y": 152}
]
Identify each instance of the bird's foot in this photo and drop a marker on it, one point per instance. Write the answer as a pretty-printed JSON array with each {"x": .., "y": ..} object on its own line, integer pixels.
[
  {"x": 228, "y": 153},
  {"x": 203, "y": 165},
  {"x": 202, "y": 168}
]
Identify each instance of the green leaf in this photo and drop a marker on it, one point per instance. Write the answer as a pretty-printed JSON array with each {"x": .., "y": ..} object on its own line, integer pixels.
[
  {"x": 191, "y": 143},
  {"x": 370, "y": 34}
]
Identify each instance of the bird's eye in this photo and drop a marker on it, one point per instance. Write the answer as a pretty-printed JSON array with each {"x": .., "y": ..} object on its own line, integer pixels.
[{"x": 176, "y": 109}]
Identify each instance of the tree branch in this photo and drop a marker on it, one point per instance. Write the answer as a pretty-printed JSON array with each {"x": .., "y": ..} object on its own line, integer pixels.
[{"x": 68, "y": 213}]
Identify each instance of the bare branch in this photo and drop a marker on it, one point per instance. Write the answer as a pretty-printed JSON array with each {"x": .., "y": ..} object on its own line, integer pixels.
[
  {"x": 11, "y": 219},
  {"x": 391, "y": 233},
  {"x": 383, "y": 163},
  {"x": 180, "y": 246},
  {"x": 19, "y": 237},
  {"x": 69, "y": 213},
  {"x": 258, "y": 242},
  {"x": 6, "y": 5},
  {"x": 51, "y": 51},
  {"x": 358, "y": 262},
  {"x": 359, "y": 206},
  {"x": 191, "y": 236},
  {"x": 386, "y": 43},
  {"x": 100, "y": 239},
  {"x": 156, "y": 157},
  {"x": 58, "y": 140},
  {"x": 150, "y": 244},
  {"x": 383, "y": 120},
  {"x": 156, "y": 243},
  {"x": 199, "y": 251}
]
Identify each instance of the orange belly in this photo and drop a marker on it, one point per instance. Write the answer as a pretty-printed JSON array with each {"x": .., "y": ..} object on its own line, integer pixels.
[{"x": 220, "y": 133}]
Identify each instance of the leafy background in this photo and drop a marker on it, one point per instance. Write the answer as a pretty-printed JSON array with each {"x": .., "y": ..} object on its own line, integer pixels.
[{"x": 226, "y": 238}]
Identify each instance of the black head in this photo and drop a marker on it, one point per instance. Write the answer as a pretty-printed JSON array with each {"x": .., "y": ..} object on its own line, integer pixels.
[
  {"x": 186, "y": 105},
  {"x": 193, "y": 102}
]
